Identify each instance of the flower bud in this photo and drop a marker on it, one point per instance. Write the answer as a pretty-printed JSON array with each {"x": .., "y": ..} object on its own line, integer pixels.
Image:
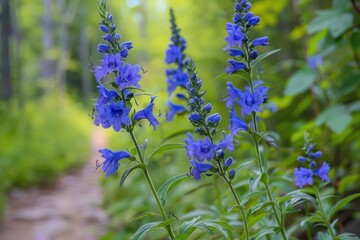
[
  {"x": 236, "y": 52},
  {"x": 315, "y": 155},
  {"x": 254, "y": 21},
  {"x": 262, "y": 41},
  {"x": 194, "y": 117},
  {"x": 108, "y": 38},
  {"x": 254, "y": 54},
  {"x": 248, "y": 15},
  {"x": 228, "y": 162},
  {"x": 104, "y": 29},
  {"x": 102, "y": 48},
  {"x": 214, "y": 118},
  {"x": 301, "y": 159},
  {"x": 207, "y": 108}
]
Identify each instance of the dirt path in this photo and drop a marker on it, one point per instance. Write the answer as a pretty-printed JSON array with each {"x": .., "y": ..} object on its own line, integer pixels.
[{"x": 68, "y": 211}]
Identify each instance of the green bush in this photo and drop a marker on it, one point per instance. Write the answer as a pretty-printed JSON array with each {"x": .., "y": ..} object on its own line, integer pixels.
[{"x": 40, "y": 140}]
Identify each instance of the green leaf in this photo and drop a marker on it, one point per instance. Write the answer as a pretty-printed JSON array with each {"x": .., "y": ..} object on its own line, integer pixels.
[
  {"x": 219, "y": 226},
  {"x": 245, "y": 164},
  {"x": 347, "y": 182},
  {"x": 249, "y": 195},
  {"x": 145, "y": 229},
  {"x": 263, "y": 56},
  {"x": 263, "y": 232},
  {"x": 208, "y": 226},
  {"x": 299, "y": 82},
  {"x": 342, "y": 23},
  {"x": 355, "y": 39},
  {"x": 260, "y": 206},
  {"x": 128, "y": 171},
  {"x": 188, "y": 224},
  {"x": 316, "y": 218},
  {"x": 349, "y": 85},
  {"x": 167, "y": 147},
  {"x": 144, "y": 214},
  {"x": 341, "y": 203},
  {"x": 336, "y": 117},
  {"x": 169, "y": 185},
  {"x": 354, "y": 106},
  {"x": 255, "y": 218},
  {"x": 178, "y": 133},
  {"x": 347, "y": 236},
  {"x": 337, "y": 21}
]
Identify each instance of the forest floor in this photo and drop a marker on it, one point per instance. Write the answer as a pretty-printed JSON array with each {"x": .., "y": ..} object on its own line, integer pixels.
[{"x": 68, "y": 210}]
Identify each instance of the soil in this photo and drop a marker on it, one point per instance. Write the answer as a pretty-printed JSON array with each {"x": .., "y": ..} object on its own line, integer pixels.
[{"x": 68, "y": 210}]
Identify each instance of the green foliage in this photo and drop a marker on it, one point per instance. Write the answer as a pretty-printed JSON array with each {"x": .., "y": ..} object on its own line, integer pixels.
[{"x": 41, "y": 140}]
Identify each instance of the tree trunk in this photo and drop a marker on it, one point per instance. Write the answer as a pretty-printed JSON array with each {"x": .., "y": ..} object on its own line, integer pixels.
[
  {"x": 6, "y": 92},
  {"x": 48, "y": 68},
  {"x": 64, "y": 46},
  {"x": 84, "y": 60}
]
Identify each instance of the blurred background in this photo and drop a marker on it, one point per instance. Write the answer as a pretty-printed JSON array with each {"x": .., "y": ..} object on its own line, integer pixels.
[{"x": 48, "y": 144}]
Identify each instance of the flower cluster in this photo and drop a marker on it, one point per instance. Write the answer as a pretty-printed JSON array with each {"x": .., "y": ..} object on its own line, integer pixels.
[
  {"x": 206, "y": 125},
  {"x": 304, "y": 176},
  {"x": 176, "y": 77},
  {"x": 243, "y": 53},
  {"x": 113, "y": 106}
]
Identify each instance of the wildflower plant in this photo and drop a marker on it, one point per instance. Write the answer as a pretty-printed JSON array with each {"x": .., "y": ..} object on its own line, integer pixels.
[
  {"x": 177, "y": 77},
  {"x": 211, "y": 151}
]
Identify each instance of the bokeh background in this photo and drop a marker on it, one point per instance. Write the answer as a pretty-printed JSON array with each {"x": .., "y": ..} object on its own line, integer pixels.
[{"x": 47, "y": 91}]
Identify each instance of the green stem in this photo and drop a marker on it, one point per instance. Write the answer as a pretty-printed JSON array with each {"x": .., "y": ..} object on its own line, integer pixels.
[
  {"x": 260, "y": 160},
  {"x": 325, "y": 215},
  {"x": 243, "y": 214},
  {"x": 151, "y": 184}
]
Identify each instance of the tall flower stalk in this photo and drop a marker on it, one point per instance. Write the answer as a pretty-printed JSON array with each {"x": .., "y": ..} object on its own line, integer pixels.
[
  {"x": 176, "y": 77},
  {"x": 207, "y": 155},
  {"x": 243, "y": 50},
  {"x": 115, "y": 102}
]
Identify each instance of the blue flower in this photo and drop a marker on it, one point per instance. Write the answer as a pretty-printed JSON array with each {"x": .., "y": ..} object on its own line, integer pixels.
[
  {"x": 303, "y": 176},
  {"x": 262, "y": 41},
  {"x": 176, "y": 78},
  {"x": 236, "y": 123},
  {"x": 323, "y": 172},
  {"x": 111, "y": 163},
  {"x": 314, "y": 61},
  {"x": 227, "y": 142},
  {"x": 234, "y": 95},
  {"x": 147, "y": 113},
  {"x": 110, "y": 63},
  {"x": 114, "y": 114},
  {"x": 199, "y": 168},
  {"x": 173, "y": 54},
  {"x": 105, "y": 95},
  {"x": 128, "y": 76},
  {"x": 201, "y": 149},
  {"x": 235, "y": 37},
  {"x": 104, "y": 29},
  {"x": 174, "y": 109},
  {"x": 235, "y": 66},
  {"x": 251, "y": 101}
]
